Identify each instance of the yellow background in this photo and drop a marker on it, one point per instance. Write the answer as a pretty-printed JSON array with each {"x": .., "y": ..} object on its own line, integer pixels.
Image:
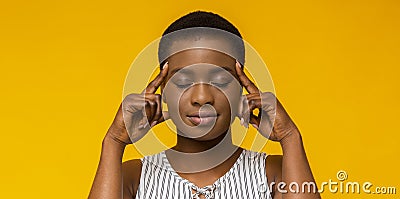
[{"x": 335, "y": 65}]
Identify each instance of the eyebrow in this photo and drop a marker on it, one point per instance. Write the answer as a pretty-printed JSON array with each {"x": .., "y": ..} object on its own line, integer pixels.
[
  {"x": 183, "y": 70},
  {"x": 215, "y": 70}
]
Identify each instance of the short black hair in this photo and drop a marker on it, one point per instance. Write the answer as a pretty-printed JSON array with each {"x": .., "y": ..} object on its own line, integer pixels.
[{"x": 201, "y": 19}]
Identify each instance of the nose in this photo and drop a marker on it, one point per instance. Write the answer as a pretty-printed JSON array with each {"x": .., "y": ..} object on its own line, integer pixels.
[{"x": 201, "y": 95}]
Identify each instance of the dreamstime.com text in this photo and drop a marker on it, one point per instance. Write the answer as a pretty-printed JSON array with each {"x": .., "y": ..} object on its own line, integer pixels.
[{"x": 341, "y": 185}]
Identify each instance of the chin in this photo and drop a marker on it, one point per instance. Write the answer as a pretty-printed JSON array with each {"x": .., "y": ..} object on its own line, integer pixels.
[
  {"x": 212, "y": 135},
  {"x": 201, "y": 133},
  {"x": 198, "y": 135}
]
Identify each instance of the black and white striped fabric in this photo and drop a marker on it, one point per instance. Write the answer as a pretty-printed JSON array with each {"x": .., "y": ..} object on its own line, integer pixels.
[{"x": 246, "y": 179}]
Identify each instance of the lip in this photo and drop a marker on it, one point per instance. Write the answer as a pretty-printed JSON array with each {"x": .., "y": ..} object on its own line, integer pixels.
[
  {"x": 203, "y": 118},
  {"x": 203, "y": 114}
]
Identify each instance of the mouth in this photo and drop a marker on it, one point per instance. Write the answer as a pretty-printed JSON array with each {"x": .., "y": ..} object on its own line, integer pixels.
[{"x": 203, "y": 118}]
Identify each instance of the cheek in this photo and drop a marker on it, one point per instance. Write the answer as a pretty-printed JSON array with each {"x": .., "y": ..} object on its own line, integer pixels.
[
  {"x": 175, "y": 101},
  {"x": 172, "y": 101},
  {"x": 231, "y": 98},
  {"x": 171, "y": 98}
]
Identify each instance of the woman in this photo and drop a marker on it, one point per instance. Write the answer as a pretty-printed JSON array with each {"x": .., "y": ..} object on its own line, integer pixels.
[{"x": 203, "y": 90}]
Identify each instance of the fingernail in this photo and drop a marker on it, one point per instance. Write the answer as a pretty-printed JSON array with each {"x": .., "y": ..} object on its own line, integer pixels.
[
  {"x": 166, "y": 63},
  {"x": 145, "y": 125},
  {"x": 153, "y": 123},
  {"x": 238, "y": 64},
  {"x": 255, "y": 126},
  {"x": 242, "y": 121}
]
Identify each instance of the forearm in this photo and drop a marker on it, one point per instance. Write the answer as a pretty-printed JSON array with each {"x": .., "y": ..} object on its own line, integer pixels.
[
  {"x": 296, "y": 169},
  {"x": 107, "y": 183}
]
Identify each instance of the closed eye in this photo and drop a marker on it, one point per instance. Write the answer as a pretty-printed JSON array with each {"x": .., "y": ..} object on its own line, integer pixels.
[
  {"x": 221, "y": 84},
  {"x": 183, "y": 83}
]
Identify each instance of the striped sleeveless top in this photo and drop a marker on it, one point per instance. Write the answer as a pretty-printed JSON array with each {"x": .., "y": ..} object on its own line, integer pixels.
[{"x": 246, "y": 179}]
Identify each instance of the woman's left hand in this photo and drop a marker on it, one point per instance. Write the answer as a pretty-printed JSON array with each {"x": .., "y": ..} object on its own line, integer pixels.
[{"x": 272, "y": 121}]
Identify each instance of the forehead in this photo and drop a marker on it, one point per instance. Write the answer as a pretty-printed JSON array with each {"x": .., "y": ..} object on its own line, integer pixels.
[{"x": 200, "y": 56}]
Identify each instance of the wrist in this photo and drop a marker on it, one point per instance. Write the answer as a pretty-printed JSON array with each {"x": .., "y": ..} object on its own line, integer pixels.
[
  {"x": 292, "y": 137},
  {"x": 110, "y": 140},
  {"x": 111, "y": 150}
]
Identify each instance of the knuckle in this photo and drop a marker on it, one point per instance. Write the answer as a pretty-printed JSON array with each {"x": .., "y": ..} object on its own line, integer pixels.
[
  {"x": 152, "y": 103},
  {"x": 149, "y": 95},
  {"x": 129, "y": 97},
  {"x": 269, "y": 94},
  {"x": 252, "y": 102}
]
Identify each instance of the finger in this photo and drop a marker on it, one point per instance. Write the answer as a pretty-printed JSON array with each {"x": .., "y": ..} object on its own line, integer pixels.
[
  {"x": 241, "y": 106},
  {"x": 158, "y": 112},
  {"x": 246, "y": 116},
  {"x": 134, "y": 106},
  {"x": 151, "y": 109},
  {"x": 245, "y": 81},
  {"x": 146, "y": 112},
  {"x": 269, "y": 102},
  {"x": 254, "y": 120},
  {"x": 244, "y": 111},
  {"x": 163, "y": 118},
  {"x": 130, "y": 107},
  {"x": 153, "y": 85},
  {"x": 253, "y": 103},
  {"x": 133, "y": 102},
  {"x": 269, "y": 99}
]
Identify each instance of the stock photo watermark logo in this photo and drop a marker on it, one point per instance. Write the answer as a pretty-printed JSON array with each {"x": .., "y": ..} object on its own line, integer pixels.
[
  {"x": 344, "y": 185},
  {"x": 340, "y": 185}
]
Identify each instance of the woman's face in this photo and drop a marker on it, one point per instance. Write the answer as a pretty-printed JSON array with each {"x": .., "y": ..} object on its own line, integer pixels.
[{"x": 202, "y": 92}]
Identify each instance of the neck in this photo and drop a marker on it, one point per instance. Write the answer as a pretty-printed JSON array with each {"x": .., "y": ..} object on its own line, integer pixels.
[
  {"x": 189, "y": 145},
  {"x": 191, "y": 156}
]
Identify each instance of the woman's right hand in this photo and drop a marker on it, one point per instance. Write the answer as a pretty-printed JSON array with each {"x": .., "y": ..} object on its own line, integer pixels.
[{"x": 139, "y": 112}]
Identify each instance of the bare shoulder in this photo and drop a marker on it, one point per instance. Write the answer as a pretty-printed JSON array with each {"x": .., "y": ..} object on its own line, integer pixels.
[
  {"x": 273, "y": 168},
  {"x": 131, "y": 171}
]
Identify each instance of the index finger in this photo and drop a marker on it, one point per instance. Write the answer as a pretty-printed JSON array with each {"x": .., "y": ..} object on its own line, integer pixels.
[
  {"x": 245, "y": 81},
  {"x": 153, "y": 85}
]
